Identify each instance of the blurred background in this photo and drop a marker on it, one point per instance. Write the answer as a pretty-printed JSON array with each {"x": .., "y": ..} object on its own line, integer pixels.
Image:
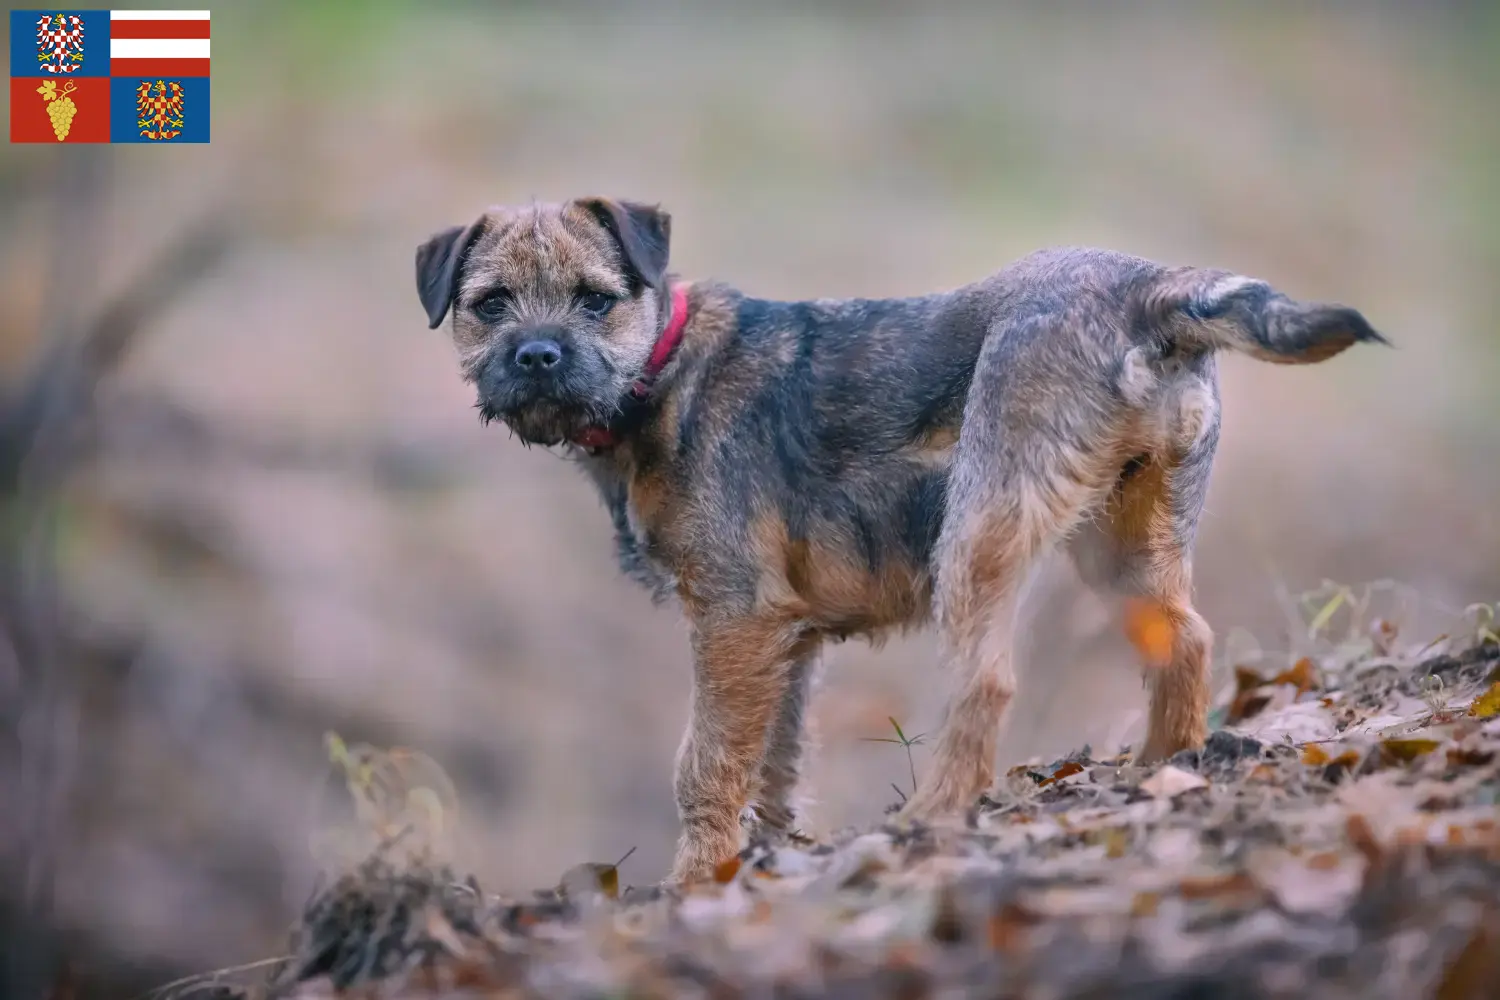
[{"x": 247, "y": 501}]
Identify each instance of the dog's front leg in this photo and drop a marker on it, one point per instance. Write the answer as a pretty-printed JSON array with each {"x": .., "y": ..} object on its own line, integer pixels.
[
  {"x": 740, "y": 680},
  {"x": 787, "y": 746}
]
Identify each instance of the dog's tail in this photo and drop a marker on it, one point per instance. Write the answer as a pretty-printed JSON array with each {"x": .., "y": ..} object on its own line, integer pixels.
[{"x": 1220, "y": 310}]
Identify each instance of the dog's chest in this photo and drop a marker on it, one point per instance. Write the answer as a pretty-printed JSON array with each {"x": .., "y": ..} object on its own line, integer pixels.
[
  {"x": 650, "y": 519},
  {"x": 851, "y": 555}
]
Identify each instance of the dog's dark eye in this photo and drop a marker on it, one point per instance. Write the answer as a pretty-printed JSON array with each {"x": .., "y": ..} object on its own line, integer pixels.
[
  {"x": 492, "y": 306},
  {"x": 596, "y": 302}
]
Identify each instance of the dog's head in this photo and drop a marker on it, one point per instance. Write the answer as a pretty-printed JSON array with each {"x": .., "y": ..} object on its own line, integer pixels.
[{"x": 555, "y": 308}]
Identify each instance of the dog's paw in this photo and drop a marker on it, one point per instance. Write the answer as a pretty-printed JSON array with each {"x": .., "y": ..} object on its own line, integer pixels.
[
  {"x": 940, "y": 801},
  {"x": 946, "y": 791},
  {"x": 699, "y": 854},
  {"x": 1163, "y": 741}
]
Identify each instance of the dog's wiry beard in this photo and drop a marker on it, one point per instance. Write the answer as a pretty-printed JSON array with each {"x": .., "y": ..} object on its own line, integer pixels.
[
  {"x": 487, "y": 413},
  {"x": 552, "y": 416},
  {"x": 545, "y": 422}
]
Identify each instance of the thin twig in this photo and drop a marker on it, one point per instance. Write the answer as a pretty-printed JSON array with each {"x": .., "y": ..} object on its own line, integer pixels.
[{"x": 204, "y": 978}]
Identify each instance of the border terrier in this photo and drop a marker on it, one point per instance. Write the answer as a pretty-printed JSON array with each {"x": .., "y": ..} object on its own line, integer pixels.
[{"x": 799, "y": 471}]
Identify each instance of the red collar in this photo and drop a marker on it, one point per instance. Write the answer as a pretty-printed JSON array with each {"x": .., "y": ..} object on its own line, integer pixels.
[{"x": 596, "y": 438}]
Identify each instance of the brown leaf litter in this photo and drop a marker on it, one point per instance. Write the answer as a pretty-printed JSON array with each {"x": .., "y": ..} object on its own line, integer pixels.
[{"x": 1359, "y": 859}]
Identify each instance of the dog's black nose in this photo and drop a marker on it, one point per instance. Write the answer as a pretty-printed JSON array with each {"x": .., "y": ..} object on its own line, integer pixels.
[{"x": 538, "y": 355}]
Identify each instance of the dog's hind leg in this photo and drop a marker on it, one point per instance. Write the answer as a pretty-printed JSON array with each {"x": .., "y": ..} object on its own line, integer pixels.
[
  {"x": 1141, "y": 546},
  {"x": 1039, "y": 449}
]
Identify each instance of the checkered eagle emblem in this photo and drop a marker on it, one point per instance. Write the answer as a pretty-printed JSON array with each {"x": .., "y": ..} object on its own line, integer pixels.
[
  {"x": 158, "y": 108},
  {"x": 59, "y": 42}
]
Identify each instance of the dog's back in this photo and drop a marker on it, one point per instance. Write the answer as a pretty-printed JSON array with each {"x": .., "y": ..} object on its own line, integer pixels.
[{"x": 826, "y": 431}]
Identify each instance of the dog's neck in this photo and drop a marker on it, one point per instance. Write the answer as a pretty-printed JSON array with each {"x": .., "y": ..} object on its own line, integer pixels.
[{"x": 596, "y": 438}]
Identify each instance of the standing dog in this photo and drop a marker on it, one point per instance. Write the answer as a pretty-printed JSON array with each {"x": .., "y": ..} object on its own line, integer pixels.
[{"x": 794, "y": 471}]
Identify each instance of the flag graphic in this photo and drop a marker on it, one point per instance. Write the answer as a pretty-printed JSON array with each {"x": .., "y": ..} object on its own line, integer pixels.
[{"x": 137, "y": 76}]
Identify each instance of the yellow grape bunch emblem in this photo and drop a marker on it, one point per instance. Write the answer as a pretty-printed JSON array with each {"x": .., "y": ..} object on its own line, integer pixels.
[{"x": 60, "y": 107}]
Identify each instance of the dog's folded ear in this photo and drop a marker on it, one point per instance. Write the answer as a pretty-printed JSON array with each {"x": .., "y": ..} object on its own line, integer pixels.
[
  {"x": 438, "y": 264},
  {"x": 644, "y": 233}
]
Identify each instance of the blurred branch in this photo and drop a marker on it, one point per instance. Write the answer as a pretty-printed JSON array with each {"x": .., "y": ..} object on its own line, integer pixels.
[
  {"x": 40, "y": 424},
  {"x": 146, "y": 427},
  {"x": 42, "y": 714},
  {"x": 58, "y": 397}
]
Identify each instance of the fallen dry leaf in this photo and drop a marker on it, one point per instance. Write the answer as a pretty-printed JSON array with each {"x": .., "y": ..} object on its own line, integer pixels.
[
  {"x": 1303, "y": 676},
  {"x": 1383, "y": 635},
  {"x": 1068, "y": 769},
  {"x": 1314, "y": 755},
  {"x": 1248, "y": 698},
  {"x": 593, "y": 877},
  {"x": 1487, "y": 705},
  {"x": 725, "y": 871},
  {"x": 1406, "y": 750},
  {"x": 1170, "y": 782},
  {"x": 1009, "y": 929},
  {"x": 1116, "y": 842},
  {"x": 1324, "y": 884},
  {"x": 588, "y": 878},
  {"x": 1476, "y": 969},
  {"x": 1232, "y": 884},
  {"x": 1247, "y": 679},
  {"x": 1470, "y": 757},
  {"x": 1362, "y": 838},
  {"x": 1300, "y": 722}
]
